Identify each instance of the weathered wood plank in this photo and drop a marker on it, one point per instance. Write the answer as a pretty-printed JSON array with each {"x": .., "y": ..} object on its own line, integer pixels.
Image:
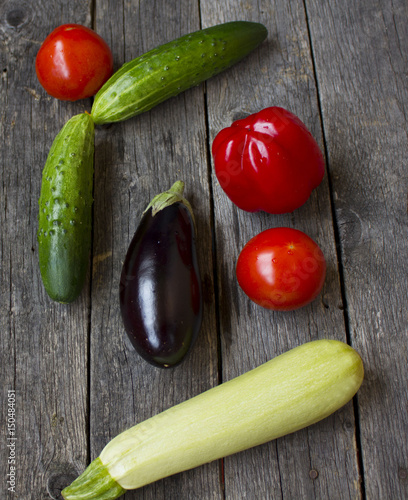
[
  {"x": 134, "y": 161},
  {"x": 321, "y": 461},
  {"x": 361, "y": 70},
  {"x": 49, "y": 352},
  {"x": 43, "y": 346}
]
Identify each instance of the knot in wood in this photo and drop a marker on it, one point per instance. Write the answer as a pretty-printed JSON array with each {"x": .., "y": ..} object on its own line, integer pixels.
[{"x": 16, "y": 17}]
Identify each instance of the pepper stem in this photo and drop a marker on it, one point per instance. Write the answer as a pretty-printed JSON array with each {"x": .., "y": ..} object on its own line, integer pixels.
[{"x": 167, "y": 198}]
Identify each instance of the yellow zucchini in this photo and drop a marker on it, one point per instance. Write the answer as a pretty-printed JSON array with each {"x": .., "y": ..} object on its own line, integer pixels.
[{"x": 285, "y": 394}]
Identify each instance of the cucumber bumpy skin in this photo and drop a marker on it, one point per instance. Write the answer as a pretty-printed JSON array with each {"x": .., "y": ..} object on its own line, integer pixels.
[
  {"x": 169, "y": 69},
  {"x": 65, "y": 210},
  {"x": 287, "y": 393}
]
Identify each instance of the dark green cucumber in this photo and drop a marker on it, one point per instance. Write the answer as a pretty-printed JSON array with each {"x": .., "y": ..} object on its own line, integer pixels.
[
  {"x": 165, "y": 71},
  {"x": 65, "y": 210}
]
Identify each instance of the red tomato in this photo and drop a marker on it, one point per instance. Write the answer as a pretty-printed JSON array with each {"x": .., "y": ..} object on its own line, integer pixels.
[
  {"x": 73, "y": 62},
  {"x": 281, "y": 269}
]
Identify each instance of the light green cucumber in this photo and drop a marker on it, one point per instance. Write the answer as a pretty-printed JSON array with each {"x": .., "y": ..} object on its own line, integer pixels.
[
  {"x": 165, "y": 71},
  {"x": 288, "y": 393},
  {"x": 65, "y": 210}
]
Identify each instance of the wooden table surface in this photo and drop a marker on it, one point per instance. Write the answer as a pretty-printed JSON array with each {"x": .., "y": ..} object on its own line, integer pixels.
[{"x": 341, "y": 66}]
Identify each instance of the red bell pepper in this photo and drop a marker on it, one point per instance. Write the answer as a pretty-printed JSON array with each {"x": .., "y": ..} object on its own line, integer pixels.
[{"x": 268, "y": 161}]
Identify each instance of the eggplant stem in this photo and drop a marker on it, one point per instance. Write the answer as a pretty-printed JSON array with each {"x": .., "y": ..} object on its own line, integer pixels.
[
  {"x": 177, "y": 188},
  {"x": 167, "y": 198}
]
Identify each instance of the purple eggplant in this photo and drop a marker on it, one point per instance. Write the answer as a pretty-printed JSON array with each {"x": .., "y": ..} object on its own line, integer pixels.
[{"x": 160, "y": 289}]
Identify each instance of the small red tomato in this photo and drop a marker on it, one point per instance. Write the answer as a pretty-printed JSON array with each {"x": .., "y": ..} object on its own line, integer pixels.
[
  {"x": 73, "y": 62},
  {"x": 281, "y": 269},
  {"x": 268, "y": 161}
]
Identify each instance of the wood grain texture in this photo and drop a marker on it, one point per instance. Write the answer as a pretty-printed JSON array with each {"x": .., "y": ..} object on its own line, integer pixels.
[
  {"x": 43, "y": 344},
  {"x": 136, "y": 160},
  {"x": 361, "y": 70},
  {"x": 341, "y": 67},
  {"x": 281, "y": 74}
]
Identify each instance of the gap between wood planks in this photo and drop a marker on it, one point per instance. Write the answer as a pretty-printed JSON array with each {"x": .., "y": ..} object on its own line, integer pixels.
[{"x": 336, "y": 230}]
